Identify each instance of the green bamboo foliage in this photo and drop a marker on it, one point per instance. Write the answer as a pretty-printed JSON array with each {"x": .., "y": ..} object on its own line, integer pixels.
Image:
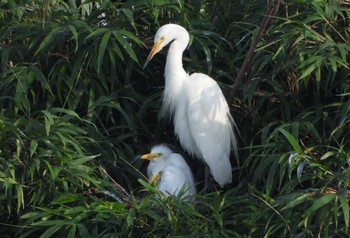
[
  {"x": 77, "y": 109},
  {"x": 296, "y": 92}
]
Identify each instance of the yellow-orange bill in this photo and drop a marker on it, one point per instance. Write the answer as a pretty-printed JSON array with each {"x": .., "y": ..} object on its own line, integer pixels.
[
  {"x": 154, "y": 51},
  {"x": 149, "y": 156}
]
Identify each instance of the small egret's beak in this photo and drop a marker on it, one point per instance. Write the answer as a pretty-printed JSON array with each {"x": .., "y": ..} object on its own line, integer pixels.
[
  {"x": 155, "y": 177},
  {"x": 150, "y": 156},
  {"x": 155, "y": 49}
]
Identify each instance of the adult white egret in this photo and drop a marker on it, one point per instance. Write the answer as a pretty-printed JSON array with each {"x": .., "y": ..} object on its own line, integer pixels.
[
  {"x": 171, "y": 170},
  {"x": 202, "y": 120}
]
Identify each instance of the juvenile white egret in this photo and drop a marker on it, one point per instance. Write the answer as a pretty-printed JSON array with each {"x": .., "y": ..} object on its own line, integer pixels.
[
  {"x": 172, "y": 171},
  {"x": 202, "y": 120}
]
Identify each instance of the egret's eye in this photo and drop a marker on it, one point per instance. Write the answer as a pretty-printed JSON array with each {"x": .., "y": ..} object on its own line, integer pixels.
[{"x": 160, "y": 154}]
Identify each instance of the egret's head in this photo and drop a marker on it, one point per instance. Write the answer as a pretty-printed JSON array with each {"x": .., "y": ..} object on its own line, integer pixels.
[
  {"x": 165, "y": 35},
  {"x": 158, "y": 152}
]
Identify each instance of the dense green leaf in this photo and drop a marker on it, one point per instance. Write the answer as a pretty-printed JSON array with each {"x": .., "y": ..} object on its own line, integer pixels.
[{"x": 77, "y": 109}]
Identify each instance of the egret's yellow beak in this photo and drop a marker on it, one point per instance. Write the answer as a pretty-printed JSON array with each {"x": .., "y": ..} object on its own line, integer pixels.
[
  {"x": 155, "y": 177},
  {"x": 155, "y": 50},
  {"x": 150, "y": 156}
]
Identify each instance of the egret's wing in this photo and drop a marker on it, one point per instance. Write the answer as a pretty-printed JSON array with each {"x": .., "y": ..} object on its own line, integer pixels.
[
  {"x": 172, "y": 180},
  {"x": 182, "y": 127},
  {"x": 178, "y": 161},
  {"x": 210, "y": 125}
]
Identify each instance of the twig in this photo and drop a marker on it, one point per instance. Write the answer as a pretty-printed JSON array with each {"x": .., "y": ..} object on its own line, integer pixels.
[
  {"x": 347, "y": 2},
  {"x": 273, "y": 209},
  {"x": 271, "y": 11},
  {"x": 125, "y": 195}
]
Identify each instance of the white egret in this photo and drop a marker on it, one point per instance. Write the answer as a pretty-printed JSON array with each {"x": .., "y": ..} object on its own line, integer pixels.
[
  {"x": 171, "y": 170},
  {"x": 202, "y": 120}
]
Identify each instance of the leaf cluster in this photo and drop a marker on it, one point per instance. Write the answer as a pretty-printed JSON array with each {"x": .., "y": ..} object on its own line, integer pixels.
[{"x": 77, "y": 109}]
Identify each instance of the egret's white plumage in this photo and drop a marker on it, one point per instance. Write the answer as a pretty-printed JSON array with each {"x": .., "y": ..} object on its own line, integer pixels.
[
  {"x": 202, "y": 119},
  {"x": 173, "y": 170}
]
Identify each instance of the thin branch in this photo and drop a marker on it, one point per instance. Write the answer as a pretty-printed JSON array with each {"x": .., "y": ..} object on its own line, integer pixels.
[
  {"x": 125, "y": 195},
  {"x": 273, "y": 209},
  {"x": 347, "y": 2},
  {"x": 271, "y": 11}
]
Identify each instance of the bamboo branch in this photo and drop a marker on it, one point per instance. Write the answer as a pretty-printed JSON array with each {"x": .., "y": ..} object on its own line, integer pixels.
[{"x": 271, "y": 11}]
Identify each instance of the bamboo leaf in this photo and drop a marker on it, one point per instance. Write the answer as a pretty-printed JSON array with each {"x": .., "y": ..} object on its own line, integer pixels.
[
  {"x": 33, "y": 147},
  {"x": 115, "y": 48},
  {"x": 296, "y": 201},
  {"x": 322, "y": 201},
  {"x": 45, "y": 223},
  {"x": 345, "y": 207},
  {"x": 131, "y": 36},
  {"x": 20, "y": 197},
  {"x": 29, "y": 215},
  {"x": 102, "y": 49},
  {"x": 74, "y": 36},
  {"x": 293, "y": 142},
  {"x": 52, "y": 230},
  {"x": 54, "y": 171},
  {"x": 83, "y": 232},
  {"x": 327, "y": 155},
  {"x": 96, "y": 33},
  {"x": 125, "y": 45},
  {"x": 48, "y": 121},
  {"x": 40, "y": 76},
  {"x": 66, "y": 198},
  {"x": 300, "y": 169},
  {"x": 66, "y": 111},
  {"x": 84, "y": 159},
  {"x": 72, "y": 231},
  {"x": 48, "y": 39}
]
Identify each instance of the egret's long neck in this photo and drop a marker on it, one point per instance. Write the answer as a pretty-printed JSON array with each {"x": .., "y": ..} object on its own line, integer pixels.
[
  {"x": 175, "y": 75},
  {"x": 173, "y": 64}
]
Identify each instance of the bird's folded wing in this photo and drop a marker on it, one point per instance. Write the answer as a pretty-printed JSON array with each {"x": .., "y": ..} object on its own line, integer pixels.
[{"x": 210, "y": 125}]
